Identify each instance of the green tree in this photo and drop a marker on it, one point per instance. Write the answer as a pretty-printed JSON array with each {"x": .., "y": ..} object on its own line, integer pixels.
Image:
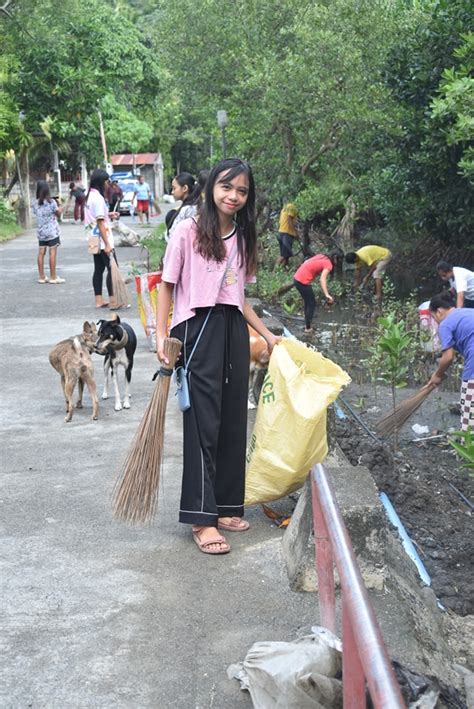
[
  {"x": 421, "y": 188},
  {"x": 70, "y": 59},
  {"x": 455, "y": 105}
]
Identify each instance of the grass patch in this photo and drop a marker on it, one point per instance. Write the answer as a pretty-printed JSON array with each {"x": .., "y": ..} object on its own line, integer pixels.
[{"x": 9, "y": 231}]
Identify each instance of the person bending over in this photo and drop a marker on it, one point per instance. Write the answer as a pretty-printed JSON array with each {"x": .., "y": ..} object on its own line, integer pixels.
[
  {"x": 461, "y": 281},
  {"x": 320, "y": 265},
  {"x": 456, "y": 332},
  {"x": 376, "y": 259}
]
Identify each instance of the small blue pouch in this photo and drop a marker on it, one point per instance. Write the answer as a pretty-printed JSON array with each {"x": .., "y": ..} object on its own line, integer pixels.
[
  {"x": 184, "y": 399},
  {"x": 182, "y": 393}
]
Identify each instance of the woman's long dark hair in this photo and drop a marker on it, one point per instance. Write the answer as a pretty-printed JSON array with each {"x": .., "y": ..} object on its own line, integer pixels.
[
  {"x": 97, "y": 182},
  {"x": 43, "y": 192},
  {"x": 209, "y": 242}
]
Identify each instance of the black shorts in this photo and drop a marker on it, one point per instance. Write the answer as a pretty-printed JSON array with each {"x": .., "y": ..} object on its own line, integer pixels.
[
  {"x": 49, "y": 242},
  {"x": 286, "y": 244}
]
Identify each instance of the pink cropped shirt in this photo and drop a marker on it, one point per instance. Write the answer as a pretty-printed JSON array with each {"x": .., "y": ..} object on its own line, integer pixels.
[{"x": 197, "y": 281}]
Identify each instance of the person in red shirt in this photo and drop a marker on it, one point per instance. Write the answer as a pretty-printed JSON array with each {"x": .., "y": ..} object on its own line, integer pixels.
[{"x": 320, "y": 265}]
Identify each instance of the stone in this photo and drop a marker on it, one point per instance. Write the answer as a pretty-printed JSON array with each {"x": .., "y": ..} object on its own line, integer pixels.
[
  {"x": 363, "y": 515},
  {"x": 256, "y": 305},
  {"x": 273, "y": 324}
]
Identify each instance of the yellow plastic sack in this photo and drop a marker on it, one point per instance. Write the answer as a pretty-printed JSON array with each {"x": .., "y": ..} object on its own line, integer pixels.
[{"x": 289, "y": 435}]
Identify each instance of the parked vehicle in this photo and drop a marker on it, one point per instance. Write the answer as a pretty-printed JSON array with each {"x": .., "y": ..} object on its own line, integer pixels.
[{"x": 126, "y": 184}]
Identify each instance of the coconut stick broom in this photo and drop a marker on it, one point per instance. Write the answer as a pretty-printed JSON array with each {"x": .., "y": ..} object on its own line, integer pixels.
[
  {"x": 136, "y": 490},
  {"x": 395, "y": 419},
  {"x": 119, "y": 289}
]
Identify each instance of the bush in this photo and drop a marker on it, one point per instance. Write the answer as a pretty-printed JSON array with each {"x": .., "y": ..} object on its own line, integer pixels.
[
  {"x": 156, "y": 247},
  {"x": 7, "y": 214},
  {"x": 8, "y": 225}
]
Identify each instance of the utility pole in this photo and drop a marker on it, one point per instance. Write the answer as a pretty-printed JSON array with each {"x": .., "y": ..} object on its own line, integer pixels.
[
  {"x": 23, "y": 169},
  {"x": 222, "y": 123},
  {"x": 102, "y": 138}
]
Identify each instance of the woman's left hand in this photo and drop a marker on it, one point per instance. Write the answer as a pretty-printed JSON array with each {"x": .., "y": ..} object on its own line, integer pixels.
[{"x": 273, "y": 340}]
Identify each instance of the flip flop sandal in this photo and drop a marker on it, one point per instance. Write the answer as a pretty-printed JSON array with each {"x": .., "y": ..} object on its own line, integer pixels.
[
  {"x": 237, "y": 524},
  {"x": 43, "y": 280},
  {"x": 104, "y": 305},
  {"x": 204, "y": 546}
]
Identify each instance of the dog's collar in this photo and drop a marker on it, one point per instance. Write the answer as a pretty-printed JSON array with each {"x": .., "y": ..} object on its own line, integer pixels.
[{"x": 122, "y": 342}]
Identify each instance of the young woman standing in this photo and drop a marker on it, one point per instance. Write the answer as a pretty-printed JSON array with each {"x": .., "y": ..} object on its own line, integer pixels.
[
  {"x": 97, "y": 215},
  {"x": 207, "y": 264}
]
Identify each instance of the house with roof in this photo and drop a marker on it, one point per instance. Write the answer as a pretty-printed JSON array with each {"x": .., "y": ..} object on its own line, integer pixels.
[{"x": 150, "y": 165}]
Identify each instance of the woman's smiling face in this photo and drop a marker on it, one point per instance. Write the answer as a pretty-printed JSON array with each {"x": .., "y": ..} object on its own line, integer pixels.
[{"x": 230, "y": 196}]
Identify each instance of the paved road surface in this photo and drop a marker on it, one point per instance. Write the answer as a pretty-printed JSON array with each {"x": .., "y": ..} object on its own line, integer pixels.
[{"x": 95, "y": 614}]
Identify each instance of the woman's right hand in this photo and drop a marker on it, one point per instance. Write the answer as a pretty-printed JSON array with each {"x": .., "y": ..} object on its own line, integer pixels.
[
  {"x": 160, "y": 349},
  {"x": 108, "y": 249}
]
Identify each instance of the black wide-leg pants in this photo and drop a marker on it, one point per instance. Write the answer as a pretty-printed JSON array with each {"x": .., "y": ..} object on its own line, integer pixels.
[{"x": 215, "y": 427}]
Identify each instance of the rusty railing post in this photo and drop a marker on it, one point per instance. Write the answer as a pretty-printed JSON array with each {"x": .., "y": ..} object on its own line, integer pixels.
[
  {"x": 324, "y": 565},
  {"x": 364, "y": 651}
]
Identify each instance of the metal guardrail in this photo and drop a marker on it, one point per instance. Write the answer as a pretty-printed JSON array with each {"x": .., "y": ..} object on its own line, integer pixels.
[{"x": 364, "y": 656}]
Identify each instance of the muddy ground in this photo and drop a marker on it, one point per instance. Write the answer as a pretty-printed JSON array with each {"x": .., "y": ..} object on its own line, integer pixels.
[{"x": 418, "y": 478}]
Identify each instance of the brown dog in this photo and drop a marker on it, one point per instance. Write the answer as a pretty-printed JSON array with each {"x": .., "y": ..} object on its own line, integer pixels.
[{"x": 72, "y": 359}]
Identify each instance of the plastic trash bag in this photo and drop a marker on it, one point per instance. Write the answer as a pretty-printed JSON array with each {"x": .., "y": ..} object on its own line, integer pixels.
[
  {"x": 289, "y": 435},
  {"x": 293, "y": 675}
]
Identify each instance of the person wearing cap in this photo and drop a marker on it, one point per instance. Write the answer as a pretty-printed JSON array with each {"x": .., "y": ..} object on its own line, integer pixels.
[
  {"x": 376, "y": 259},
  {"x": 287, "y": 233}
]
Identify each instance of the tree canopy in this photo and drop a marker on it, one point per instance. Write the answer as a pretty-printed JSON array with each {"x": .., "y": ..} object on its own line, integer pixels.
[{"x": 368, "y": 103}]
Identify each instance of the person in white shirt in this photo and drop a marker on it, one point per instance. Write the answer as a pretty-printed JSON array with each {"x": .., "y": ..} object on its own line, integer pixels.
[
  {"x": 461, "y": 281},
  {"x": 97, "y": 223}
]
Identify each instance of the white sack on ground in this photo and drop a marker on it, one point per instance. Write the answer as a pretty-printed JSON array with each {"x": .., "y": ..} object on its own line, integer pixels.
[
  {"x": 293, "y": 675},
  {"x": 124, "y": 236}
]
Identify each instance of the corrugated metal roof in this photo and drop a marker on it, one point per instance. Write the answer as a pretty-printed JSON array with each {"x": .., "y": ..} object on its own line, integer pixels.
[{"x": 138, "y": 158}]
